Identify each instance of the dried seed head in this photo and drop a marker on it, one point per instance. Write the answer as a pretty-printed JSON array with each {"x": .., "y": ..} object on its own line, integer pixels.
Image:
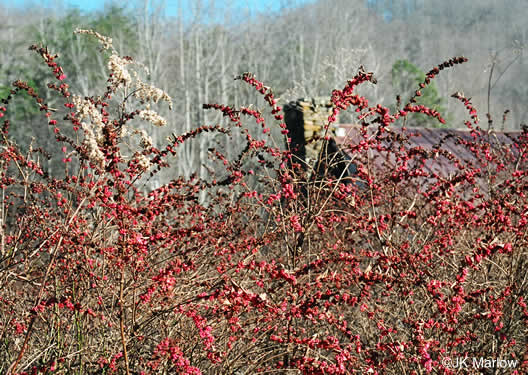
[
  {"x": 118, "y": 68},
  {"x": 152, "y": 117},
  {"x": 87, "y": 110},
  {"x": 105, "y": 41},
  {"x": 146, "y": 140},
  {"x": 147, "y": 93},
  {"x": 143, "y": 162},
  {"x": 95, "y": 155}
]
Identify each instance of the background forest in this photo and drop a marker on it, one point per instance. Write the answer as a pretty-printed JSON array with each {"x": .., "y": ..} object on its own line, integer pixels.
[{"x": 302, "y": 51}]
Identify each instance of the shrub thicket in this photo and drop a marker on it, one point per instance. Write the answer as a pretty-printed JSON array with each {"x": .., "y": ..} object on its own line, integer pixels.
[{"x": 403, "y": 272}]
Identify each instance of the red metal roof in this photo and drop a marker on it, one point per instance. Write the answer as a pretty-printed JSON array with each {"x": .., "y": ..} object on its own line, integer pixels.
[{"x": 440, "y": 152}]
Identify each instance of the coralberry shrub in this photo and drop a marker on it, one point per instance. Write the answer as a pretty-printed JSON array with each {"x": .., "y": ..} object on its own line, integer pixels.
[{"x": 404, "y": 270}]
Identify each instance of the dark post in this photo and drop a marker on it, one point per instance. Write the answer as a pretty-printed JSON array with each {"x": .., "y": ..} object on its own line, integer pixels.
[{"x": 305, "y": 120}]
